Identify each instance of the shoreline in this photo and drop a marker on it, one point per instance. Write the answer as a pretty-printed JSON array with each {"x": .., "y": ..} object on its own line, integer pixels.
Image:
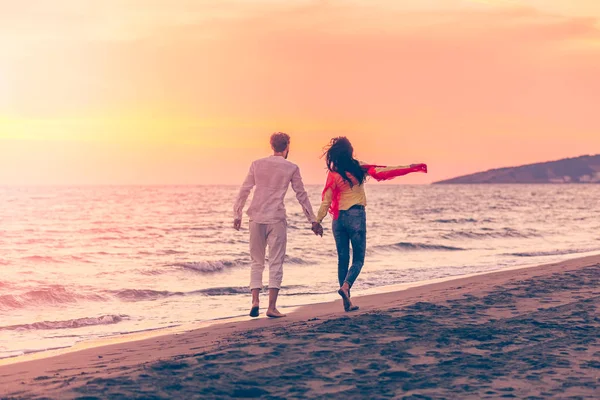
[
  {"x": 49, "y": 373},
  {"x": 190, "y": 327}
]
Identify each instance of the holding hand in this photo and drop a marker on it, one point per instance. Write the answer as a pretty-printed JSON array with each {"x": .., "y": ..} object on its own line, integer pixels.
[
  {"x": 237, "y": 224},
  {"x": 317, "y": 229}
]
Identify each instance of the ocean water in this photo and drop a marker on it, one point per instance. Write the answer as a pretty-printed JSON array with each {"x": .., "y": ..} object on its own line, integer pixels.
[{"x": 81, "y": 263}]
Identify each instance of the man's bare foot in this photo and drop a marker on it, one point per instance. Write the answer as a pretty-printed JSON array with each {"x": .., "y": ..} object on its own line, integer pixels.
[
  {"x": 275, "y": 314},
  {"x": 254, "y": 311}
]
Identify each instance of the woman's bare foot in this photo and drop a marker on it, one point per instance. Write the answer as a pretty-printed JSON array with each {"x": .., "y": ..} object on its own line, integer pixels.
[
  {"x": 274, "y": 313},
  {"x": 345, "y": 298},
  {"x": 345, "y": 293}
]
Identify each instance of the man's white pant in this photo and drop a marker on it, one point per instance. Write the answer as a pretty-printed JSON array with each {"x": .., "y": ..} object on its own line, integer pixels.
[{"x": 261, "y": 236}]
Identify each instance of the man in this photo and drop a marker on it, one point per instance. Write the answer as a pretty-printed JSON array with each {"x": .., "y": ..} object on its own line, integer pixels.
[{"x": 268, "y": 221}]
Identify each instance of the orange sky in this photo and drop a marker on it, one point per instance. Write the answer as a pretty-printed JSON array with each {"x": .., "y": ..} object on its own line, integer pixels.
[{"x": 154, "y": 91}]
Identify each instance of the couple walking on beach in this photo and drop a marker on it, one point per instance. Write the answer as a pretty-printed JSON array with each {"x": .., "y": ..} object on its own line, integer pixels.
[{"x": 343, "y": 197}]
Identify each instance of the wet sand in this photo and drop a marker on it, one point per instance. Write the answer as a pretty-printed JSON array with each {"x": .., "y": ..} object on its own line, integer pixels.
[{"x": 531, "y": 333}]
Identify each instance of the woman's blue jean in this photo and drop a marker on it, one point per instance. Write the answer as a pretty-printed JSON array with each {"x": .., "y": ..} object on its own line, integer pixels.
[{"x": 350, "y": 228}]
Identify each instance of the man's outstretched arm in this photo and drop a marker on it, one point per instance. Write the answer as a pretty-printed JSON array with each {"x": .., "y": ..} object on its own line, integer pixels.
[{"x": 245, "y": 190}]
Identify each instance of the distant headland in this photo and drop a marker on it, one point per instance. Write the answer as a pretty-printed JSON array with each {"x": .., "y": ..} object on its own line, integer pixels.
[{"x": 584, "y": 169}]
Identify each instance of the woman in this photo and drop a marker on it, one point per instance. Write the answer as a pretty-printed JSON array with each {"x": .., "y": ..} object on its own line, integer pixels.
[{"x": 344, "y": 197}]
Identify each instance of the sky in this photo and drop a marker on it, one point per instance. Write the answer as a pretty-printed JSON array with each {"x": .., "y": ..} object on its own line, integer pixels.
[{"x": 189, "y": 91}]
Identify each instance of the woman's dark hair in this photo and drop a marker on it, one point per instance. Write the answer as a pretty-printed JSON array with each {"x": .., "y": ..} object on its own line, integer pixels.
[{"x": 340, "y": 159}]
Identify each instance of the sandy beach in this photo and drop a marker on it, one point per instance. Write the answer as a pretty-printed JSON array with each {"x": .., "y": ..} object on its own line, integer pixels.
[{"x": 526, "y": 333}]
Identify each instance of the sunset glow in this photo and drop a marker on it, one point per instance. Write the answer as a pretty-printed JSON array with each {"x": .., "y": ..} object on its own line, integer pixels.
[{"x": 155, "y": 92}]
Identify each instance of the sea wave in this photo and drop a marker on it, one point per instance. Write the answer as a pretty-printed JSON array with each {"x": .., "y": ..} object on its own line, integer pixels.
[
  {"x": 42, "y": 259},
  {"x": 101, "y": 231},
  {"x": 172, "y": 252},
  {"x": 456, "y": 221},
  {"x": 131, "y": 295},
  {"x": 296, "y": 261},
  {"x": 223, "y": 291},
  {"x": 234, "y": 290},
  {"x": 49, "y": 295},
  {"x": 185, "y": 228},
  {"x": 109, "y": 238},
  {"x": 79, "y": 258},
  {"x": 209, "y": 266},
  {"x": 406, "y": 246},
  {"x": 551, "y": 253},
  {"x": 68, "y": 324},
  {"x": 151, "y": 271},
  {"x": 492, "y": 234}
]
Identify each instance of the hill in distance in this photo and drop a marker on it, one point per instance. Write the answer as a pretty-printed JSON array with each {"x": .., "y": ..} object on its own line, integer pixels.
[{"x": 584, "y": 169}]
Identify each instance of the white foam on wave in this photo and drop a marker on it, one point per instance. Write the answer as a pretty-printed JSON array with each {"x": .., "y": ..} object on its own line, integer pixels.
[
  {"x": 68, "y": 324},
  {"x": 209, "y": 266},
  {"x": 407, "y": 246}
]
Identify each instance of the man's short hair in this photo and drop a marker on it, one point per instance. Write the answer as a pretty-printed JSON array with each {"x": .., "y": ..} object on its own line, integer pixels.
[{"x": 280, "y": 141}]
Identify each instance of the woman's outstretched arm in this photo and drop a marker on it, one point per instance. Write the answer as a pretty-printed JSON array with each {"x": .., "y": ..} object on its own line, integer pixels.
[{"x": 382, "y": 173}]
